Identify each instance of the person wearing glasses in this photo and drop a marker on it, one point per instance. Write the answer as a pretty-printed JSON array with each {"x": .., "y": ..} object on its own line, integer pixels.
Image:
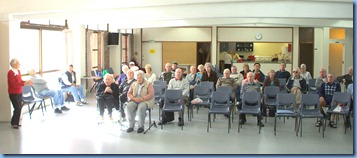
[{"x": 296, "y": 85}]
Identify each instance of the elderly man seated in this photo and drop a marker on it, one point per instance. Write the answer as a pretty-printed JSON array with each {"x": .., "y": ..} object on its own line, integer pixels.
[
  {"x": 107, "y": 95},
  {"x": 141, "y": 97},
  {"x": 296, "y": 85},
  {"x": 226, "y": 80},
  {"x": 40, "y": 86}
]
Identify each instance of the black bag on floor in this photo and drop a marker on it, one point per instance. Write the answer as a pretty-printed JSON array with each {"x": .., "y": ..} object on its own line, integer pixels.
[
  {"x": 271, "y": 110},
  {"x": 69, "y": 97},
  {"x": 166, "y": 116}
]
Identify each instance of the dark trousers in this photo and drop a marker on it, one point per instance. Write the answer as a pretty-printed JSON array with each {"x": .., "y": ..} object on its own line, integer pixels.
[
  {"x": 16, "y": 100},
  {"x": 122, "y": 100},
  {"x": 105, "y": 101}
]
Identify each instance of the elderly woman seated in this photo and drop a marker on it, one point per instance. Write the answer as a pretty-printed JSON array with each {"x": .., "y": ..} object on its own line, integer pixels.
[
  {"x": 141, "y": 97},
  {"x": 107, "y": 95}
]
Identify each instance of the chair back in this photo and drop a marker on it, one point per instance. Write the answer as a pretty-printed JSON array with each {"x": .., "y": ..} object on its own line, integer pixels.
[
  {"x": 220, "y": 99},
  {"x": 282, "y": 84},
  {"x": 173, "y": 97},
  {"x": 163, "y": 85},
  {"x": 286, "y": 101},
  {"x": 226, "y": 89},
  {"x": 208, "y": 84},
  {"x": 27, "y": 94},
  {"x": 157, "y": 93},
  {"x": 251, "y": 100},
  {"x": 341, "y": 98},
  {"x": 310, "y": 102},
  {"x": 312, "y": 86},
  {"x": 271, "y": 92},
  {"x": 201, "y": 92}
]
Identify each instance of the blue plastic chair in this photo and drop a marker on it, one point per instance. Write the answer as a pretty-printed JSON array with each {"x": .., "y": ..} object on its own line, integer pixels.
[
  {"x": 28, "y": 98},
  {"x": 269, "y": 98},
  {"x": 220, "y": 105},
  {"x": 342, "y": 99},
  {"x": 250, "y": 105},
  {"x": 173, "y": 102},
  {"x": 286, "y": 107},
  {"x": 310, "y": 108},
  {"x": 204, "y": 94}
]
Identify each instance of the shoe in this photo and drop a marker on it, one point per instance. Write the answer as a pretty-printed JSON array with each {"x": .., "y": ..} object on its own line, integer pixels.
[
  {"x": 110, "y": 117},
  {"x": 162, "y": 122},
  {"x": 226, "y": 115},
  {"x": 64, "y": 108},
  {"x": 58, "y": 111},
  {"x": 79, "y": 104},
  {"x": 84, "y": 102},
  {"x": 332, "y": 124},
  {"x": 318, "y": 124},
  {"x": 15, "y": 126},
  {"x": 180, "y": 123},
  {"x": 123, "y": 119},
  {"x": 130, "y": 129},
  {"x": 141, "y": 130},
  {"x": 242, "y": 121}
]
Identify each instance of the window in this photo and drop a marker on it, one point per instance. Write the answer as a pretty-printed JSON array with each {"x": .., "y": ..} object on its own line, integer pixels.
[{"x": 53, "y": 50}]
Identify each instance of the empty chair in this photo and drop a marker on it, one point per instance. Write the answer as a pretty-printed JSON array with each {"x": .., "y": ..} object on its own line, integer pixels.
[
  {"x": 269, "y": 98},
  {"x": 282, "y": 85},
  {"x": 312, "y": 87},
  {"x": 96, "y": 82},
  {"x": 28, "y": 98},
  {"x": 310, "y": 108},
  {"x": 173, "y": 102},
  {"x": 203, "y": 93},
  {"x": 228, "y": 89},
  {"x": 286, "y": 107},
  {"x": 210, "y": 86},
  {"x": 220, "y": 105},
  {"x": 340, "y": 105},
  {"x": 251, "y": 105}
]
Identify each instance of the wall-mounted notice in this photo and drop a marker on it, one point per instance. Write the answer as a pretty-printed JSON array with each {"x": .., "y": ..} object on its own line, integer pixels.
[{"x": 152, "y": 51}]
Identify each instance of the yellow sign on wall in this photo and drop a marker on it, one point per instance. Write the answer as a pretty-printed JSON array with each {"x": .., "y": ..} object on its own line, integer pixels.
[{"x": 152, "y": 51}]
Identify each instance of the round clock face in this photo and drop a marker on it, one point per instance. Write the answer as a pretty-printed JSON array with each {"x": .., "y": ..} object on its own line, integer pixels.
[{"x": 258, "y": 36}]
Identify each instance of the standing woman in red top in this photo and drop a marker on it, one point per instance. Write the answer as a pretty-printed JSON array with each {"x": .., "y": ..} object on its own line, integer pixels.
[{"x": 15, "y": 84}]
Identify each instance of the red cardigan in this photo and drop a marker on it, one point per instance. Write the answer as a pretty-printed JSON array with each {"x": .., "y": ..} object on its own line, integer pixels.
[{"x": 14, "y": 82}]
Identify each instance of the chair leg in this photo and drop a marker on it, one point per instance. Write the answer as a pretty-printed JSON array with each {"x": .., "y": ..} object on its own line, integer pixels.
[
  {"x": 260, "y": 121},
  {"x": 44, "y": 104},
  {"x": 275, "y": 125},
  {"x": 229, "y": 123},
  {"x": 300, "y": 123},
  {"x": 208, "y": 122},
  {"x": 238, "y": 122}
]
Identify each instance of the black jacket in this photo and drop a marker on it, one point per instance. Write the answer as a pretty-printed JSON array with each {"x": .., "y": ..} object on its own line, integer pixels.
[{"x": 115, "y": 89}]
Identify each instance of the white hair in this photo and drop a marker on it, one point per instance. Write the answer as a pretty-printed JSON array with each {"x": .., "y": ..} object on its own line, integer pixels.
[
  {"x": 139, "y": 73},
  {"x": 111, "y": 76},
  {"x": 134, "y": 68},
  {"x": 125, "y": 67},
  {"x": 13, "y": 61},
  {"x": 302, "y": 66}
]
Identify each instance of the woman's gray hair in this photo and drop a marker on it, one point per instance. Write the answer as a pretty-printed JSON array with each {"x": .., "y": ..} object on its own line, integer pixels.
[
  {"x": 302, "y": 66},
  {"x": 111, "y": 76},
  {"x": 13, "y": 61},
  {"x": 137, "y": 73},
  {"x": 208, "y": 64}
]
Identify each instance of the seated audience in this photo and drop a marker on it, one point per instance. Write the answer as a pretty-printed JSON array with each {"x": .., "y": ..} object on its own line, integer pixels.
[
  {"x": 245, "y": 70},
  {"x": 249, "y": 87},
  {"x": 123, "y": 90},
  {"x": 296, "y": 85},
  {"x": 305, "y": 74},
  {"x": 69, "y": 85},
  {"x": 149, "y": 75},
  {"x": 238, "y": 77},
  {"x": 209, "y": 75},
  {"x": 141, "y": 97},
  {"x": 321, "y": 79},
  {"x": 226, "y": 80},
  {"x": 107, "y": 95},
  {"x": 348, "y": 78},
  {"x": 167, "y": 75},
  {"x": 271, "y": 80},
  {"x": 178, "y": 83},
  {"x": 282, "y": 73},
  {"x": 326, "y": 92},
  {"x": 122, "y": 76},
  {"x": 193, "y": 80},
  {"x": 259, "y": 75},
  {"x": 40, "y": 86},
  {"x": 350, "y": 91}
]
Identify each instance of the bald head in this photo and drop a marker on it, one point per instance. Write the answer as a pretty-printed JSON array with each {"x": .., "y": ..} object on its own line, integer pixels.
[{"x": 32, "y": 72}]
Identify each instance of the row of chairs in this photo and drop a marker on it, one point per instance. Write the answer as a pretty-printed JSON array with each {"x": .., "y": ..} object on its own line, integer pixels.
[{"x": 285, "y": 104}]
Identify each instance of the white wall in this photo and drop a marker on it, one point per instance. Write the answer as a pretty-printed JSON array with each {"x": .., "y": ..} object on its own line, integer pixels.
[
  {"x": 5, "y": 108},
  {"x": 248, "y": 34},
  {"x": 177, "y": 34},
  {"x": 318, "y": 51}
]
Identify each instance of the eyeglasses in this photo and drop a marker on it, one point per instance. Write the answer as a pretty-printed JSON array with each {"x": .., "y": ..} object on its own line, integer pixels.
[{"x": 295, "y": 71}]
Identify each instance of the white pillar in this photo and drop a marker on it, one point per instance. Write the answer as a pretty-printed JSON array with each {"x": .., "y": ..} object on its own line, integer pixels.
[
  {"x": 214, "y": 46},
  {"x": 5, "y": 108}
]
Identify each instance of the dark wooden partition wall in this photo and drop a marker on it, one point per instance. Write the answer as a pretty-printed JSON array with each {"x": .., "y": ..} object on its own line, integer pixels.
[{"x": 306, "y": 49}]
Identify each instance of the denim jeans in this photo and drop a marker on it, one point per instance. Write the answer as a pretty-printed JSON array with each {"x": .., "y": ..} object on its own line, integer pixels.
[
  {"x": 57, "y": 96},
  {"x": 75, "y": 92}
]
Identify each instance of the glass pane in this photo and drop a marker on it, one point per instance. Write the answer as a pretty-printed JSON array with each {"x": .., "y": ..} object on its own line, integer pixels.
[
  {"x": 53, "y": 50},
  {"x": 28, "y": 52}
]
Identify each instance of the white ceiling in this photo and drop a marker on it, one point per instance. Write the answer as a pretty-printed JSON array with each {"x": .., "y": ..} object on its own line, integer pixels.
[{"x": 173, "y": 13}]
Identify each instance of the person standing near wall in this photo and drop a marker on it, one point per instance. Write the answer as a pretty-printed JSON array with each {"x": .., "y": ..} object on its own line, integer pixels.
[
  {"x": 228, "y": 60},
  {"x": 15, "y": 83}
]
